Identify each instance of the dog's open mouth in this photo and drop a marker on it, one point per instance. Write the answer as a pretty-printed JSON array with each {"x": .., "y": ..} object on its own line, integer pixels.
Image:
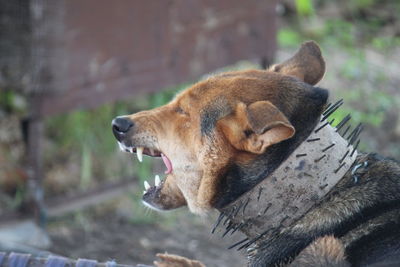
[{"x": 152, "y": 152}]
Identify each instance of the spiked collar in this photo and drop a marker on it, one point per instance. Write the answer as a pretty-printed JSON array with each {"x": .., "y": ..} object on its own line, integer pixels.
[{"x": 298, "y": 184}]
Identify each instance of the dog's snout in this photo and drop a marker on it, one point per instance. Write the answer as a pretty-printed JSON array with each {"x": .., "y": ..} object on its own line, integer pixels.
[{"x": 120, "y": 126}]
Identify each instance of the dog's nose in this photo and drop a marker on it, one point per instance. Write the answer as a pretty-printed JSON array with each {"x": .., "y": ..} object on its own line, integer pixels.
[{"x": 120, "y": 126}]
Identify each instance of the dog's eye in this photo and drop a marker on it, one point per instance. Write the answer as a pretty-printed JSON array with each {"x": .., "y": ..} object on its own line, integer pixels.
[{"x": 181, "y": 111}]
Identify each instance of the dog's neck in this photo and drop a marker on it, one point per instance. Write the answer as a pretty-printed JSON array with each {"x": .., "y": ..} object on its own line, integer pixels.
[{"x": 293, "y": 188}]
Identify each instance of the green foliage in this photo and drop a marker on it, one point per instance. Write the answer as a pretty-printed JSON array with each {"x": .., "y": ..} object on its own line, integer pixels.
[
  {"x": 357, "y": 4},
  {"x": 385, "y": 43},
  {"x": 354, "y": 67},
  {"x": 288, "y": 38},
  {"x": 86, "y": 167},
  {"x": 304, "y": 7},
  {"x": 339, "y": 31},
  {"x": 373, "y": 110},
  {"x": 12, "y": 102}
]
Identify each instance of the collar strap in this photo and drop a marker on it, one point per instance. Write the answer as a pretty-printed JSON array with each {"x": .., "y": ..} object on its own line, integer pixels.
[{"x": 299, "y": 183}]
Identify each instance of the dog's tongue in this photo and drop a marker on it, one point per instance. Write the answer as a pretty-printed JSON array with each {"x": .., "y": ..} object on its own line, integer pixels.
[{"x": 167, "y": 163}]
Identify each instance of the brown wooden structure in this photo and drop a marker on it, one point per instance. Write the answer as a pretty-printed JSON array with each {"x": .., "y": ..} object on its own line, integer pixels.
[{"x": 69, "y": 54}]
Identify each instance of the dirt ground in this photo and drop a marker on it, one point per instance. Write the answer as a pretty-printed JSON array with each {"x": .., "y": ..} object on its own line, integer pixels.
[{"x": 109, "y": 232}]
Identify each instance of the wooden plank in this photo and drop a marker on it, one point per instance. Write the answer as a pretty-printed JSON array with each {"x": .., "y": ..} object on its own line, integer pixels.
[{"x": 110, "y": 51}]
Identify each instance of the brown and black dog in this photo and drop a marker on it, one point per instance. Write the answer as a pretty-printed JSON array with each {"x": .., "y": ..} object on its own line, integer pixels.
[{"x": 222, "y": 136}]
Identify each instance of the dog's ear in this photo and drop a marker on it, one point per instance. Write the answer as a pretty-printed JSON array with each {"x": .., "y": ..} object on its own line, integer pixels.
[
  {"x": 255, "y": 127},
  {"x": 307, "y": 64}
]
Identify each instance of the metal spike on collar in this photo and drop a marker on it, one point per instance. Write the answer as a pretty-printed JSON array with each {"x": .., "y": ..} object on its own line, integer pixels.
[
  {"x": 229, "y": 216},
  {"x": 331, "y": 109},
  {"x": 343, "y": 122},
  {"x": 345, "y": 132},
  {"x": 238, "y": 243},
  {"x": 228, "y": 228},
  {"x": 355, "y": 148},
  {"x": 238, "y": 227},
  {"x": 245, "y": 205},
  {"x": 238, "y": 209},
  {"x": 220, "y": 217},
  {"x": 354, "y": 132},
  {"x": 252, "y": 241},
  {"x": 259, "y": 193},
  {"x": 328, "y": 147},
  {"x": 321, "y": 127}
]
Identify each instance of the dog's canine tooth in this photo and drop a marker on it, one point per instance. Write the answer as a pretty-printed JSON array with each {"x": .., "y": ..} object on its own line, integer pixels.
[
  {"x": 144, "y": 192},
  {"x": 131, "y": 149},
  {"x": 139, "y": 153},
  {"x": 146, "y": 185},
  {"x": 157, "y": 180},
  {"x": 121, "y": 146}
]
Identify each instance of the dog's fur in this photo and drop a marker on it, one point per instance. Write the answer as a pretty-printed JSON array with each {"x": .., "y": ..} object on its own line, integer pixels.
[{"x": 227, "y": 133}]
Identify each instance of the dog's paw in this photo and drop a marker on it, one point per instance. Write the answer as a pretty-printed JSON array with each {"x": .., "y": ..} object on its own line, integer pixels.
[{"x": 171, "y": 260}]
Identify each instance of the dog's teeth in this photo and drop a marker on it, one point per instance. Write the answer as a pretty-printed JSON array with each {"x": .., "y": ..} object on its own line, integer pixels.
[
  {"x": 146, "y": 185},
  {"x": 139, "y": 153},
  {"x": 151, "y": 151},
  {"x": 121, "y": 147},
  {"x": 157, "y": 180},
  {"x": 131, "y": 149},
  {"x": 144, "y": 192}
]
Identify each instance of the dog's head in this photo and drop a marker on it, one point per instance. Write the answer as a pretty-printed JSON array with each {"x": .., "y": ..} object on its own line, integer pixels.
[{"x": 211, "y": 133}]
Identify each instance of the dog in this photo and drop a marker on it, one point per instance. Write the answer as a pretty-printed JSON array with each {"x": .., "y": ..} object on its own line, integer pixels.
[{"x": 224, "y": 136}]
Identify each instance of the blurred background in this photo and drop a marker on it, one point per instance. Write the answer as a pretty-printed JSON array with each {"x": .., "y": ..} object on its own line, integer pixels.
[{"x": 68, "y": 67}]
